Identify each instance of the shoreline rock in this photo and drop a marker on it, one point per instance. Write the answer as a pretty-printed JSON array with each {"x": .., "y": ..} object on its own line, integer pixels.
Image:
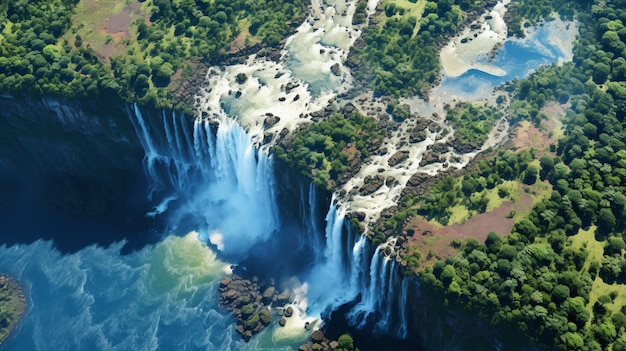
[
  {"x": 319, "y": 341},
  {"x": 252, "y": 302}
]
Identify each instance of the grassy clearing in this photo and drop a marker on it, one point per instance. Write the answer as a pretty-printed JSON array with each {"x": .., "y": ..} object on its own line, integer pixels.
[
  {"x": 511, "y": 188},
  {"x": 90, "y": 19},
  {"x": 409, "y": 9},
  {"x": 106, "y": 25},
  {"x": 600, "y": 288},
  {"x": 459, "y": 214},
  {"x": 585, "y": 240}
]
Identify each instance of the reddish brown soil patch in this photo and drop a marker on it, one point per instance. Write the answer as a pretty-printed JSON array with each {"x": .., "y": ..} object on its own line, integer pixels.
[
  {"x": 435, "y": 243},
  {"x": 107, "y": 51},
  {"x": 351, "y": 152},
  {"x": 177, "y": 75},
  {"x": 530, "y": 137},
  {"x": 118, "y": 27},
  {"x": 540, "y": 138}
]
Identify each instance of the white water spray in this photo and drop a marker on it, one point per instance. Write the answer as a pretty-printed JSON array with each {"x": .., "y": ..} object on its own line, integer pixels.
[{"x": 213, "y": 179}]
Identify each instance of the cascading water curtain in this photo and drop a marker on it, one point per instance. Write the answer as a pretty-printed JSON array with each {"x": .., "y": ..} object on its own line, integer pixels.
[
  {"x": 209, "y": 177},
  {"x": 213, "y": 177}
]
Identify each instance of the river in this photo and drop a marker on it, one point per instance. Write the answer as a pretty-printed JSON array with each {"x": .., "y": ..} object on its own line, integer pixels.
[{"x": 219, "y": 195}]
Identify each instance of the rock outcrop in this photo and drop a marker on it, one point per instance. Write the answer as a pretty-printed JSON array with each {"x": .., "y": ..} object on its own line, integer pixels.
[
  {"x": 319, "y": 342},
  {"x": 252, "y": 303}
]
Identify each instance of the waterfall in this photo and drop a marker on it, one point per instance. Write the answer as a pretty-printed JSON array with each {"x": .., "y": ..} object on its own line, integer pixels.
[
  {"x": 349, "y": 269},
  {"x": 383, "y": 302},
  {"x": 214, "y": 180},
  {"x": 209, "y": 177}
]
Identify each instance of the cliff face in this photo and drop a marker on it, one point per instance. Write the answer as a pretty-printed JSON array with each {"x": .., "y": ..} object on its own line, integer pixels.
[
  {"x": 437, "y": 327},
  {"x": 69, "y": 166},
  {"x": 57, "y": 136}
]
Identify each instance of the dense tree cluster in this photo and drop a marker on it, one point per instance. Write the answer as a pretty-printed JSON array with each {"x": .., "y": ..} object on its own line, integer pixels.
[
  {"x": 400, "y": 56},
  {"x": 326, "y": 150},
  {"x": 537, "y": 279},
  {"x": 180, "y": 30},
  {"x": 472, "y": 122},
  {"x": 37, "y": 56},
  {"x": 525, "y": 13},
  {"x": 35, "y": 60}
]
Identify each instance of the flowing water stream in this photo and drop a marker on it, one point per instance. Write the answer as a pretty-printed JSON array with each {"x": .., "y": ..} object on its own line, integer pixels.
[{"x": 212, "y": 177}]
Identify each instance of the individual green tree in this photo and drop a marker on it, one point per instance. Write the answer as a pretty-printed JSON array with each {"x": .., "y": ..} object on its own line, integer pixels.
[
  {"x": 560, "y": 293},
  {"x": 606, "y": 220},
  {"x": 346, "y": 343},
  {"x": 142, "y": 84},
  {"x": 530, "y": 175}
]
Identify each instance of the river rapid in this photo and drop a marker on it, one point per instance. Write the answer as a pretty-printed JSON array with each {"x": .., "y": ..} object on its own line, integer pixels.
[{"x": 216, "y": 188}]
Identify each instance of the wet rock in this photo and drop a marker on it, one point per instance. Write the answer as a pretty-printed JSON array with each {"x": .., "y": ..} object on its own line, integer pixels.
[
  {"x": 462, "y": 147},
  {"x": 290, "y": 86},
  {"x": 270, "y": 121},
  {"x": 283, "y": 133},
  {"x": 360, "y": 216},
  {"x": 335, "y": 69},
  {"x": 434, "y": 127},
  {"x": 422, "y": 124},
  {"x": 418, "y": 136},
  {"x": 317, "y": 336},
  {"x": 397, "y": 158},
  {"x": 230, "y": 295},
  {"x": 439, "y": 148},
  {"x": 268, "y": 295},
  {"x": 225, "y": 282},
  {"x": 417, "y": 179},
  {"x": 371, "y": 184},
  {"x": 283, "y": 298},
  {"x": 243, "y": 297},
  {"x": 282, "y": 322},
  {"x": 391, "y": 181},
  {"x": 349, "y": 108},
  {"x": 429, "y": 158},
  {"x": 289, "y": 312},
  {"x": 318, "y": 114},
  {"x": 273, "y": 54}
]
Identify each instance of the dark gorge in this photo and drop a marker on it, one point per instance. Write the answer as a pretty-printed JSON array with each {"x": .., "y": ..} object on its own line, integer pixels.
[
  {"x": 71, "y": 172},
  {"x": 80, "y": 173}
]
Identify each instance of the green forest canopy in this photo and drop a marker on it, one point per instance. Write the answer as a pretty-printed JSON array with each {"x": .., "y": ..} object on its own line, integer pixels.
[
  {"x": 558, "y": 277},
  {"x": 43, "y": 51}
]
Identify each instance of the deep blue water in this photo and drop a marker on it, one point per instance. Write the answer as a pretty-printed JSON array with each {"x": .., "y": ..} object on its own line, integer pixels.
[
  {"x": 162, "y": 297},
  {"x": 518, "y": 58}
]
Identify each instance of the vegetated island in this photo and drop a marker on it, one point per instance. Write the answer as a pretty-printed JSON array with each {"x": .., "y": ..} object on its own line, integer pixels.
[{"x": 12, "y": 305}]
